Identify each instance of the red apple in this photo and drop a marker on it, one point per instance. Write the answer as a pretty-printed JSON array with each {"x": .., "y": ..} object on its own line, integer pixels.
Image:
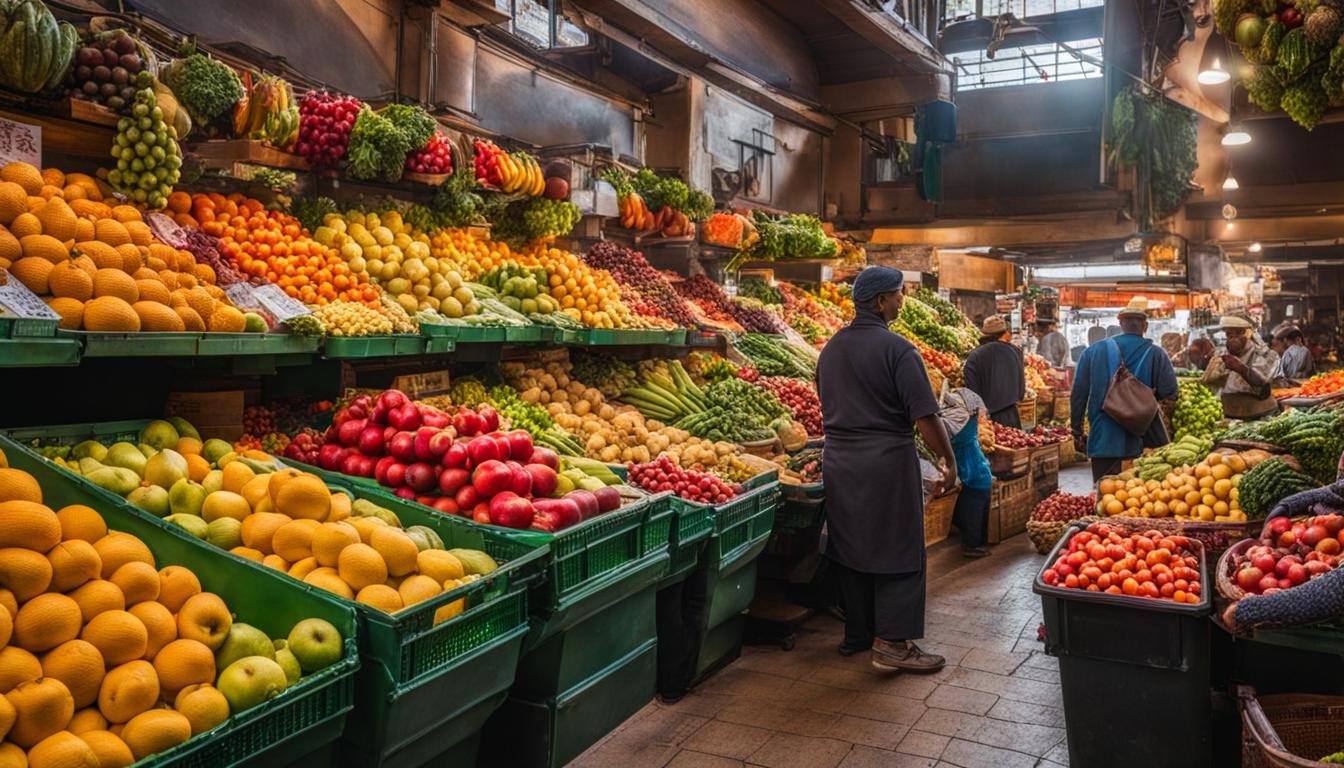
[
  {"x": 422, "y": 437},
  {"x": 482, "y": 449},
  {"x": 1285, "y": 562},
  {"x": 450, "y": 480},
  {"x": 1328, "y": 546},
  {"x": 521, "y": 482},
  {"x": 404, "y": 417},
  {"x": 366, "y": 466},
  {"x": 371, "y": 441},
  {"x": 402, "y": 446},
  {"x": 1280, "y": 524},
  {"x": 405, "y": 492},
  {"x": 608, "y": 498},
  {"x": 481, "y": 513},
  {"x": 388, "y": 434},
  {"x": 543, "y": 479},
  {"x": 1249, "y": 578},
  {"x": 545, "y": 456},
  {"x": 511, "y": 510},
  {"x": 467, "y": 497},
  {"x": 1264, "y": 561},
  {"x": 520, "y": 444},
  {"x": 330, "y": 456},
  {"x": 491, "y": 477},
  {"x": 467, "y": 422},
  {"x": 391, "y": 398},
  {"x": 348, "y": 433},
  {"x": 396, "y": 474},
  {"x": 1268, "y": 582},
  {"x": 489, "y": 418},
  {"x": 1297, "y": 574},
  {"x": 456, "y": 456},
  {"x": 351, "y": 464},
  {"x": 433, "y": 417},
  {"x": 440, "y": 443},
  {"x": 1316, "y": 567},
  {"x": 502, "y": 443},
  {"x": 380, "y": 469},
  {"x": 378, "y": 415},
  {"x": 446, "y": 505},
  {"x": 1334, "y": 524},
  {"x": 587, "y": 501},
  {"x": 1287, "y": 539},
  {"x": 559, "y": 513},
  {"x": 1314, "y": 534},
  {"x": 421, "y": 477},
  {"x": 428, "y": 501}
]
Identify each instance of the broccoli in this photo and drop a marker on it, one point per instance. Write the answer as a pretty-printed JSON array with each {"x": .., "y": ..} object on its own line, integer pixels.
[{"x": 207, "y": 88}]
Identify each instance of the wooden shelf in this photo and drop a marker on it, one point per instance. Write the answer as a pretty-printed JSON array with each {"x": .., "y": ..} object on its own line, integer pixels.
[
  {"x": 229, "y": 151},
  {"x": 66, "y": 136}
]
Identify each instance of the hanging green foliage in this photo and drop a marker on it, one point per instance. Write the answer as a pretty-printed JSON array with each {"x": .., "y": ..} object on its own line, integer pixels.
[{"x": 1156, "y": 138}]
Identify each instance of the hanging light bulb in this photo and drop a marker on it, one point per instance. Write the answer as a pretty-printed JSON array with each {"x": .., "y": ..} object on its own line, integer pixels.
[
  {"x": 1214, "y": 75},
  {"x": 1235, "y": 137},
  {"x": 1230, "y": 184},
  {"x": 1254, "y": 247}
]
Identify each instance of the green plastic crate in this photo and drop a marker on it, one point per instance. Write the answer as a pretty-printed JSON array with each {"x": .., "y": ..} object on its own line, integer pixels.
[
  {"x": 373, "y": 346},
  {"x": 702, "y": 339},
  {"x": 465, "y": 334},
  {"x": 27, "y": 327},
  {"x": 310, "y": 714},
  {"x": 30, "y": 352},
  {"x": 439, "y": 345},
  {"x": 406, "y": 687},
  {"x": 528, "y": 334},
  {"x": 552, "y": 732},
  {"x": 719, "y": 646},
  {"x": 150, "y": 344},
  {"x": 742, "y": 526},
  {"x": 691, "y": 528},
  {"x": 256, "y": 344},
  {"x": 730, "y": 594}
]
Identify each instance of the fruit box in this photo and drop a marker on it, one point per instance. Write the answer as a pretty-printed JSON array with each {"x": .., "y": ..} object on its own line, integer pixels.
[
  {"x": 305, "y": 717},
  {"x": 742, "y": 526}
]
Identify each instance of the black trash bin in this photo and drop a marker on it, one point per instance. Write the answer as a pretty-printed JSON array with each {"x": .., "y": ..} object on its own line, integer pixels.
[{"x": 1134, "y": 672}]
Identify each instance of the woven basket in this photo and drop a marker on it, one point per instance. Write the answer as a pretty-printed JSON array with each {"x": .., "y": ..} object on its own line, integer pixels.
[
  {"x": 938, "y": 517},
  {"x": 1044, "y": 534},
  {"x": 1026, "y": 413},
  {"x": 1289, "y": 730},
  {"x": 1068, "y": 455},
  {"x": 1224, "y": 579},
  {"x": 1216, "y": 537}
]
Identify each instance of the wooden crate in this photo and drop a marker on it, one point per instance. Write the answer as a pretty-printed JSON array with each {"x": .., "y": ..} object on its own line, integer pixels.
[
  {"x": 1044, "y": 459},
  {"x": 1009, "y": 462},
  {"x": 938, "y": 517},
  {"x": 219, "y": 153},
  {"x": 1013, "y": 512}
]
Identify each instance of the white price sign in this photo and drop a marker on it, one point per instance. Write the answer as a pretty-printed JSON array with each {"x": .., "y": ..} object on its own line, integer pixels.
[
  {"x": 278, "y": 303},
  {"x": 242, "y": 295},
  {"x": 20, "y": 142},
  {"x": 16, "y": 297}
]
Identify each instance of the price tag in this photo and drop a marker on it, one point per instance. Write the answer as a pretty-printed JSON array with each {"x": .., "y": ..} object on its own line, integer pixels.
[
  {"x": 20, "y": 142},
  {"x": 278, "y": 303},
  {"x": 242, "y": 295},
  {"x": 16, "y": 297}
]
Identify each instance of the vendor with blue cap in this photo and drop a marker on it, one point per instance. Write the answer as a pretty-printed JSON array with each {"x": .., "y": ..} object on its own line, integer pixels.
[{"x": 874, "y": 394}]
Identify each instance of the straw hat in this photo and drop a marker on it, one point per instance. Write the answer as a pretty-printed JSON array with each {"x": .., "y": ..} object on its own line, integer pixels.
[
  {"x": 1234, "y": 321},
  {"x": 993, "y": 326},
  {"x": 1137, "y": 307}
]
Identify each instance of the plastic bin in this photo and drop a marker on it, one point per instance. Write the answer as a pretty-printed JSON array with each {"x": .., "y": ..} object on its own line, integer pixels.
[
  {"x": 741, "y": 527},
  {"x": 1152, "y": 654},
  {"x": 720, "y": 646},
  {"x": 373, "y": 346},
  {"x": 31, "y": 352},
  {"x": 553, "y": 731},
  {"x": 30, "y": 327},
  {"x": 150, "y": 344},
  {"x": 691, "y": 528},
  {"x": 307, "y": 716},
  {"x": 528, "y": 334},
  {"x": 465, "y": 334},
  {"x": 256, "y": 344}
]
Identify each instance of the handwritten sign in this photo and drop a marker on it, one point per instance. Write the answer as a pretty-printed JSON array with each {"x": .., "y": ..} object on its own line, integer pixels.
[
  {"x": 16, "y": 297},
  {"x": 281, "y": 306},
  {"x": 20, "y": 142},
  {"x": 418, "y": 385},
  {"x": 242, "y": 295}
]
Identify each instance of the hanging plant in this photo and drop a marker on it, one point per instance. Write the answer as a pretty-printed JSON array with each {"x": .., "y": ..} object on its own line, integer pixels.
[{"x": 1156, "y": 138}]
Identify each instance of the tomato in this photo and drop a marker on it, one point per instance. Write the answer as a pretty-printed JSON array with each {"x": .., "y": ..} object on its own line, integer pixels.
[
  {"x": 1092, "y": 572},
  {"x": 1148, "y": 589},
  {"x": 1162, "y": 579},
  {"x": 1050, "y": 577},
  {"x": 1096, "y": 551},
  {"x": 1167, "y": 590},
  {"x": 1105, "y": 563},
  {"x": 1130, "y": 586},
  {"x": 1071, "y": 581},
  {"x": 1083, "y": 581},
  {"x": 1113, "y": 590},
  {"x": 1162, "y": 555},
  {"x": 1104, "y": 580},
  {"x": 1178, "y": 596},
  {"x": 1077, "y": 558}
]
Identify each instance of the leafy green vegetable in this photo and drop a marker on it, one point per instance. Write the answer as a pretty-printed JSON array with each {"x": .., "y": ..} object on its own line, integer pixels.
[
  {"x": 415, "y": 123},
  {"x": 207, "y": 88},
  {"x": 456, "y": 203},
  {"x": 1157, "y": 138},
  {"x": 793, "y": 236},
  {"x": 381, "y": 140},
  {"x": 659, "y": 191}
]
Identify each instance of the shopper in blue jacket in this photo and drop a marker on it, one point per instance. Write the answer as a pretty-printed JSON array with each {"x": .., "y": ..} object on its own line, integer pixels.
[{"x": 1108, "y": 443}]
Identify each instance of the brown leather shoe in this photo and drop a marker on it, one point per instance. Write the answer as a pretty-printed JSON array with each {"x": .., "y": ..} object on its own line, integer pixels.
[{"x": 904, "y": 657}]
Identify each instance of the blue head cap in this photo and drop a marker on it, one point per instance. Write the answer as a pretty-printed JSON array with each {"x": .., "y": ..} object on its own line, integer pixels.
[{"x": 876, "y": 280}]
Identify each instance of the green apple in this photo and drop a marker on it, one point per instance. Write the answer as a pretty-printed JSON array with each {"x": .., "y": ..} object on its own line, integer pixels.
[
  {"x": 128, "y": 456},
  {"x": 224, "y": 532},
  {"x": 316, "y": 644},
  {"x": 290, "y": 663},
  {"x": 250, "y": 681},
  {"x": 186, "y": 497},
  {"x": 159, "y": 434},
  {"x": 151, "y": 498},
  {"x": 191, "y": 524},
  {"x": 242, "y": 641},
  {"x": 214, "y": 449},
  {"x": 165, "y": 468}
]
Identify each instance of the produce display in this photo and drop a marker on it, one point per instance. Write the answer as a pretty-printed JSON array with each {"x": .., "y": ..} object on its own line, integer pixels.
[
  {"x": 130, "y": 648},
  {"x": 807, "y": 463},
  {"x": 1197, "y": 409},
  {"x": 148, "y": 159},
  {"x": 516, "y": 173},
  {"x": 663, "y": 475},
  {"x": 1265, "y": 484},
  {"x": 1011, "y": 437},
  {"x": 381, "y": 139},
  {"x": 1296, "y": 63},
  {"x": 105, "y": 69},
  {"x": 267, "y": 112},
  {"x": 1323, "y": 384},
  {"x": 1149, "y": 565},
  {"x": 1314, "y": 436},
  {"x": 206, "y": 87},
  {"x": 1184, "y": 452},
  {"x": 1060, "y": 506},
  {"x": 1207, "y": 491},
  {"x": 435, "y": 157},
  {"x": 642, "y": 287},
  {"x": 798, "y": 396},
  {"x": 35, "y": 50},
  {"x": 918, "y": 320},
  {"x": 1290, "y": 553},
  {"x": 793, "y": 236},
  {"x": 325, "y": 123},
  {"x": 775, "y": 356}
]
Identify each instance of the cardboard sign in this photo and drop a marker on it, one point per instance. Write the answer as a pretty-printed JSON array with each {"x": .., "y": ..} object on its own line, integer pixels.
[
  {"x": 421, "y": 385},
  {"x": 242, "y": 295},
  {"x": 16, "y": 297},
  {"x": 280, "y": 304},
  {"x": 20, "y": 142}
]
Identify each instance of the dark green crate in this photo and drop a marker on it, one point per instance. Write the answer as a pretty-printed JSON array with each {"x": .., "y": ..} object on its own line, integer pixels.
[
  {"x": 27, "y": 327},
  {"x": 439, "y": 345},
  {"x": 729, "y": 594},
  {"x": 29, "y": 352},
  {"x": 552, "y": 732},
  {"x": 256, "y": 344},
  {"x": 465, "y": 334},
  {"x": 702, "y": 339},
  {"x": 719, "y": 646},
  {"x": 571, "y": 337},
  {"x": 373, "y": 346},
  {"x": 660, "y": 518},
  {"x": 149, "y": 344},
  {"x": 303, "y": 719},
  {"x": 742, "y": 527},
  {"x": 528, "y": 334},
  {"x": 691, "y": 528}
]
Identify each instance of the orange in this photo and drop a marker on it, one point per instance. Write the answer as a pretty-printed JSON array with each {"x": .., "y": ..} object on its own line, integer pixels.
[
  {"x": 380, "y": 596},
  {"x": 397, "y": 549},
  {"x": 203, "y": 705},
  {"x": 304, "y": 497},
  {"x": 118, "y": 635},
  {"x": 45, "y": 622},
  {"x": 24, "y": 572},
  {"x": 7, "y": 716},
  {"x": 107, "y": 746},
  {"x": 12, "y": 756},
  {"x": 294, "y": 540},
  {"x": 73, "y": 563},
  {"x": 62, "y": 749},
  {"x": 160, "y": 625},
  {"x": 360, "y": 565},
  {"x": 366, "y": 526},
  {"x": 330, "y": 538},
  {"x": 302, "y": 568},
  {"x": 80, "y": 666},
  {"x": 197, "y": 466},
  {"x": 15, "y": 484},
  {"x": 248, "y": 553},
  {"x": 182, "y": 663},
  {"x": 154, "y": 731},
  {"x": 340, "y": 507},
  {"x": 138, "y": 582},
  {"x": 189, "y": 446},
  {"x": 206, "y": 619},
  {"x": 42, "y": 707},
  {"x": 17, "y": 666},
  {"x": 117, "y": 549},
  {"x": 236, "y": 476},
  {"x": 417, "y": 589},
  {"x": 96, "y": 597},
  {"x": 81, "y": 522},
  {"x": 277, "y": 562},
  {"x": 87, "y": 719},
  {"x": 328, "y": 579},
  {"x": 176, "y": 584},
  {"x": 128, "y": 690},
  {"x": 225, "y": 504},
  {"x": 277, "y": 480},
  {"x": 6, "y": 627}
]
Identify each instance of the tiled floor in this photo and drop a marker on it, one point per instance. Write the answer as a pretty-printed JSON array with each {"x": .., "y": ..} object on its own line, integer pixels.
[{"x": 995, "y": 705}]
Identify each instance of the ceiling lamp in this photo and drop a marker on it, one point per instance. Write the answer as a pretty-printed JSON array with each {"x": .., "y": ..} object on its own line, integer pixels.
[
  {"x": 1230, "y": 184},
  {"x": 1235, "y": 137},
  {"x": 1214, "y": 75},
  {"x": 1254, "y": 247}
]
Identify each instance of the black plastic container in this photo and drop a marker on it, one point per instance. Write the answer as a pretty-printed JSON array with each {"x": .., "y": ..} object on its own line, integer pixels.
[{"x": 1134, "y": 672}]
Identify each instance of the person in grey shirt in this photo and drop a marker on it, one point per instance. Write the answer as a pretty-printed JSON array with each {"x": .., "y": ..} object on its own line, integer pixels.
[
  {"x": 1051, "y": 344},
  {"x": 1295, "y": 359}
]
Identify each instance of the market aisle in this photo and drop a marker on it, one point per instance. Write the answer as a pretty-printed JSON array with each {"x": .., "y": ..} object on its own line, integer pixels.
[{"x": 996, "y": 704}]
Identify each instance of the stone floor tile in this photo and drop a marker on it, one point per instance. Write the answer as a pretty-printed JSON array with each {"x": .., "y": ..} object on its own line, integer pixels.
[
  {"x": 945, "y": 722},
  {"x": 923, "y": 744},
  {"x": 871, "y": 733},
  {"x": 703, "y": 703},
  {"x": 688, "y": 759},
  {"x": 989, "y": 661},
  {"x": 744, "y": 682},
  {"x": 1024, "y": 712},
  {"x": 778, "y": 717},
  {"x": 1050, "y": 676},
  {"x": 888, "y": 709},
  {"x": 1021, "y": 737},
  {"x": 729, "y": 740},
  {"x": 822, "y": 698},
  {"x": 868, "y": 757},
  {"x": 968, "y": 754},
  {"x": 786, "y": 750},
  {"x": 1059, "y": 755},
  {"x": 961, "y": 700}
]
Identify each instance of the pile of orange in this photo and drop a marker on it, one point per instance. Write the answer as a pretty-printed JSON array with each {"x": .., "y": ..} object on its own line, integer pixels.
[{"x": 274, "y": 246}]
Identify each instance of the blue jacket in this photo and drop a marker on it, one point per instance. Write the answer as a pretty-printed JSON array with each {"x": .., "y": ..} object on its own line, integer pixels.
[{"x": 1147, "y": 362}]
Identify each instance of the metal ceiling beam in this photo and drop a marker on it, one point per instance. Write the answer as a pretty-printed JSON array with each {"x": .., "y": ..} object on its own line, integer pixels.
[{"x": 888, "y": 33}]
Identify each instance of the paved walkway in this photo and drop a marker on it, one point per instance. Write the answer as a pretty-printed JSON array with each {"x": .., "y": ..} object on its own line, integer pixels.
[{"x": 995, "y": 705}]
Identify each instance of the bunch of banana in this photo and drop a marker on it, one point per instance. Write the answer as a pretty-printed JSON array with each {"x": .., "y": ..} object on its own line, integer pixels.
[
  {"x": 521, "y": 174},
  {"x": 267, "y": 112}
]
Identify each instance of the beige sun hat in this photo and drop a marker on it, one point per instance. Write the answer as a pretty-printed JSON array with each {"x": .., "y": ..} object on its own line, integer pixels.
[{"x": 1137, "y": 307}]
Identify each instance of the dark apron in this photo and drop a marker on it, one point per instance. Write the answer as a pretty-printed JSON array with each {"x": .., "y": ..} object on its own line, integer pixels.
[
  {"x": 874, "y": 503},
  {"x": 1008, "y": 417}
]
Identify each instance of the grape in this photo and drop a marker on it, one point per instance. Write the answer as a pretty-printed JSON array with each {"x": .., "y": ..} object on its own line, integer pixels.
[{"x": 146, "y": 151}]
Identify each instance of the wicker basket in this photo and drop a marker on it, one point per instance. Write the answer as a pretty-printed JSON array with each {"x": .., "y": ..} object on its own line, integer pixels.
[
  {"x": 1289, "y": 730},
  {"x": 1014, "y": 511},
  {"x": 1224, "y": 579},
  {"x": 1216, "y": 537},
  {"x": 1068, "y": 456},
  {"x": 1045, "y": 534},
  {"x": 1026, "y": 412},
  {"x": 938, "y": 517}
]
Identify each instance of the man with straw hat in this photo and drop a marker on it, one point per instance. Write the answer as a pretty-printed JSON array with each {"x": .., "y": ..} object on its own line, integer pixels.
[
  {"x": 1244, "y": 371},
  {"x": 1108, "y": 443},
  {"x": 874, "y": 395},
  {"x": 995, "y": 371}
]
